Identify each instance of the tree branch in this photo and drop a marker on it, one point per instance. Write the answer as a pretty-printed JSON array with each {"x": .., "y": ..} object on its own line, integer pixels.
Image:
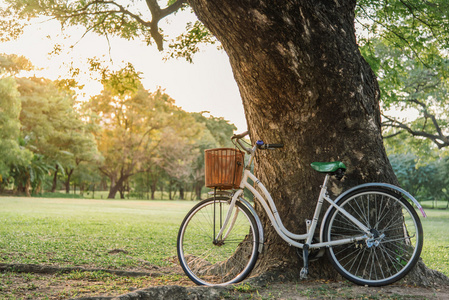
[
  {"x": 439, "y": 139},
  {"x": 158, "y": 14},
  {"x": 393, "y": 135},
  {"x": 99, "y": 7},
  {"x": 431, "y": 116}
]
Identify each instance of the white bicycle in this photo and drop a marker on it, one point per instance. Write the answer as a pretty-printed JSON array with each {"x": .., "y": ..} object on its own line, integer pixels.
[{"x": 371, "y": 233}]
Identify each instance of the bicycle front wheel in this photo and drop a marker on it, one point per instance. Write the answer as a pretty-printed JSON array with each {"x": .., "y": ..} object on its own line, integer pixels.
[
  {"x": 396, "y": 243},
  {"x": 210, "y": 260}
]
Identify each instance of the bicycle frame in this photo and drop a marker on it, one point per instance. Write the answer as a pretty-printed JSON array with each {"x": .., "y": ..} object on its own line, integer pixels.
[
  {"x": 371, "y": 233},
  {"x": 273, "y": 215}
]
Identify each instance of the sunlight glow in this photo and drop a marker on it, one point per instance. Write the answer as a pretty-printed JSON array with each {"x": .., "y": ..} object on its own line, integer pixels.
[{"x": 205, "y": 85}]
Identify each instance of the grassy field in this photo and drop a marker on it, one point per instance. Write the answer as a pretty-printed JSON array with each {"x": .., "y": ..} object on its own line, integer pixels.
[
  {"x": 78, "y": 232},
  {"x": 81, "y": 232},
  {"x": 436, "y": 240},
  {"x": 125, "y": 235}
]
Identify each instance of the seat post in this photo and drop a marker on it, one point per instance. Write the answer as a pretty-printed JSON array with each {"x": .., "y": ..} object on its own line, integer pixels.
[
  {"x": 326, "y": 180},
  {"x": 323, "y": 189}
]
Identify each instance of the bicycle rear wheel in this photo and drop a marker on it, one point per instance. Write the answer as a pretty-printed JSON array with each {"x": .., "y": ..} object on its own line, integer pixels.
[
  {"x": 228, "y": 259},
  {"x": 397, "y": 242}
]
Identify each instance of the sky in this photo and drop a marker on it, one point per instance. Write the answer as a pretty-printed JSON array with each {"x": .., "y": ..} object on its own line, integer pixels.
[{"x": 207, "y": 84}]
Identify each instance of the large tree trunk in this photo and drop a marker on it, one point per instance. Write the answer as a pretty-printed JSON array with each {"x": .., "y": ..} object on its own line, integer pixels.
[
  {"x": 303, "y": 83},
  {"x": 117, "y": 186},
  {"x": 198, "y": 187},
  {"x": 181, "y": 191},
  {"x": 28, "y": 185},
  {"x": 113, "y": 190},
  {"x": 67, "y": 182},
  {"x": 171, "y": 189}
]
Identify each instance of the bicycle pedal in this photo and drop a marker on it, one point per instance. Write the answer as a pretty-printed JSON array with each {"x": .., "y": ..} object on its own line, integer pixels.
[{"x": 304, "y": 273}]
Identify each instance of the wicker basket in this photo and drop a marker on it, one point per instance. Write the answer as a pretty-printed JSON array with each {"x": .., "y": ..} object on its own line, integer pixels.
[{"x": 224, "y": 168}]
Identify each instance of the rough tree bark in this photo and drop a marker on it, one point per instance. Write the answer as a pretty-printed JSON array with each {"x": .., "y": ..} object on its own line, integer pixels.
[{"x": 303, "y": 83}]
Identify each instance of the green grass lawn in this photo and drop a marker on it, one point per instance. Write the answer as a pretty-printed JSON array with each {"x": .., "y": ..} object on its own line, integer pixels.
[
  {"x": 81, "y": 232},
  {"x": 436, "y": 240}
]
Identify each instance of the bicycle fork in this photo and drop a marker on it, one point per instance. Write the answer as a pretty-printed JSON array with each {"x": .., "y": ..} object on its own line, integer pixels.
[{"x": 219, "y": 238}]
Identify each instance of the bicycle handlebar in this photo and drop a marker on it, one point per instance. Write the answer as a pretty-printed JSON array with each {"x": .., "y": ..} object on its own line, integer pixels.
[
  {"x": 259, "y": 144},
  {"x": 239, "y": 136}
]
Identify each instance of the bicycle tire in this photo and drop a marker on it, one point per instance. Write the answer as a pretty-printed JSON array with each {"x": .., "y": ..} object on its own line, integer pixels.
[
  {"x": 222, "y": 262},
  {"x": 384, "y": 212}
]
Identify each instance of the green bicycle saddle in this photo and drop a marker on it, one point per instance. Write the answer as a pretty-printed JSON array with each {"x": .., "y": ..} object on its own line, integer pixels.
[{"x": 328, "y": 167}]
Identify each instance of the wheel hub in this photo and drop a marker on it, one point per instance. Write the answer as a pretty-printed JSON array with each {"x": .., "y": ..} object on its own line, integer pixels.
[{"x": 376, "y": 239}]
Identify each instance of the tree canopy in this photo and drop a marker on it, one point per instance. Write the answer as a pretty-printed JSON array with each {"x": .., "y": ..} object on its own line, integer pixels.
[
  {"x": 412, "y": 25},
  {"x": 409, "y": 85},
  {"x": 10, "y": 150},
  {"x": 405, "y": 42}
]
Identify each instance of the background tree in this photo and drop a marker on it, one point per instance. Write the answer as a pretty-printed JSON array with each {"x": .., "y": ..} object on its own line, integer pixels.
[
  {"x": 417, "y": 27},
  {"x": 30, "y": 178},
  {"x": 421, "y": 168},
  {"x": 52, "y": 127},
  {"x": 11, "y": 152},
  {"x": 41, "y": 116},
  {"x": 83, "y": 148},
  {"x": 177, "y": 156},
  {"x": 409, "y": 84},
  {"x": 11, "y": 65},
  {"x": 145, "y": 184},
  {"x": 130, "y": 119}
]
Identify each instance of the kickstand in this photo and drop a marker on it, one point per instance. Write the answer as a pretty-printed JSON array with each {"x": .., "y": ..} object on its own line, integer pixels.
[{"x": 305, "y": 270}]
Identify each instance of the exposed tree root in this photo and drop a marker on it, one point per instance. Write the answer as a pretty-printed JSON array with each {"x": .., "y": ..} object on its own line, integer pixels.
[
  {"x": 279, "y": 277},
  {"x": 169, "y": 292},
  {"x": 420, "y": 276}
]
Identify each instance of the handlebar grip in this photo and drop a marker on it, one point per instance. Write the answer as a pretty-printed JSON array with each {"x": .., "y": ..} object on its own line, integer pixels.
[{"x": 274, "y": 146}]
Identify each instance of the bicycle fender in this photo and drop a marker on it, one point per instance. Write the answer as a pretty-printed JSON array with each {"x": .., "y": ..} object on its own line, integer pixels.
[
  {"x": 259, "y": 224},
  {"x": 373, "y": 184}
]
